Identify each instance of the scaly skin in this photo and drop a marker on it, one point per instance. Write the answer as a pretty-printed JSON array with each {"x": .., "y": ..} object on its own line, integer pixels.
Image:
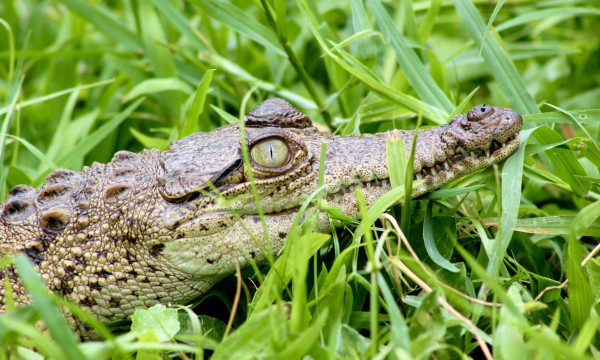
[{"x": 148, "y": 228}]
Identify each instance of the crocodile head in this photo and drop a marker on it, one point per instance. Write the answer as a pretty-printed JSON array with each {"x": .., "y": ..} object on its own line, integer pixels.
[
  {"x": 211, "y": 218},
  {"x": 165, "y": 226}
]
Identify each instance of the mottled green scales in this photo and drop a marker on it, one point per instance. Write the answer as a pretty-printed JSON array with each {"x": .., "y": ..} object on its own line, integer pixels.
[{"x": 147, "y": 228}]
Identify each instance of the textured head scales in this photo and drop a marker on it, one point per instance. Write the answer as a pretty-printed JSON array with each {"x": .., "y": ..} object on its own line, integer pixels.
[{"x": 277, "y": 112}]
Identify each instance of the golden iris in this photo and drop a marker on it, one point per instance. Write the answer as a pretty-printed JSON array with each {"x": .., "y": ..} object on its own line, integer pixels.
[{"x": 271, "y": 153}]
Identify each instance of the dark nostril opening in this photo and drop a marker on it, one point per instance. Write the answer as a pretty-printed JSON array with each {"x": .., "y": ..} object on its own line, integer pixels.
[{"x": 479, "y": 112}]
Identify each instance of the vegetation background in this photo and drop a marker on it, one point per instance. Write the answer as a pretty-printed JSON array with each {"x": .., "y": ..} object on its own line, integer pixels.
[{"x": 497, "y": 263}]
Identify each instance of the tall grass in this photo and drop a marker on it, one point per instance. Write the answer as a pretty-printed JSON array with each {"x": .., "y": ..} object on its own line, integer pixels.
[{"x": 499, "y": 263}]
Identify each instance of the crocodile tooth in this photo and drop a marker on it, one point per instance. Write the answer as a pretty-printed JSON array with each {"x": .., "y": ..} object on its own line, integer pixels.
[
  {"x": 359, "y": 183},
  {"x": 487, "y": 153},
  {"x": 419, "y": 176},
  {"x": 384, "y": 182},
  {"x": 336, "y": 196},
  {"x": 368, "y": 184},
  {"x": 351, "y": 188},
  {"x": 462, "y": 151},
  {"x": 472, "y": 153},
  {"x": 433, "y": 171},
  {"x": 438, "y": 167},
  {"x": 446, "y": 166}
]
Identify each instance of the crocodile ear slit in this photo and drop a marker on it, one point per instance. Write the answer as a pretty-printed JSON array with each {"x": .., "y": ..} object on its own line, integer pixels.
[{"x": 277, "y": 112}]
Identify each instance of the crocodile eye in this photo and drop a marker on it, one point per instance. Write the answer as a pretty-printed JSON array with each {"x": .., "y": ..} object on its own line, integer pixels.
[
  {"x": 270, "y": 153},
  {"x": 479, "y": 112}
]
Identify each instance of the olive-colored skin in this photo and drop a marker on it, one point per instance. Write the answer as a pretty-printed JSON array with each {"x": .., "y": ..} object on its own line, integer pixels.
[{"x": 152, "y": 227}]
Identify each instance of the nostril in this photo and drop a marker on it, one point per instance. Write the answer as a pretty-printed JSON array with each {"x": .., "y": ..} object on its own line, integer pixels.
[{"x": 479, "y": 112}]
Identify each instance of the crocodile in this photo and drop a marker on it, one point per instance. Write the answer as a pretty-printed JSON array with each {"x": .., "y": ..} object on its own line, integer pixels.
[{"x": 164, "y": 226}]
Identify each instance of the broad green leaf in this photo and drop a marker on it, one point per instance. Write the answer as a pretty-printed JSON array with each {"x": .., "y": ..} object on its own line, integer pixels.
[
  {"x": 253, "y": 335},
  {"x": 351, "y": 343},
  {"x": 160, "y": 321},
  {"x": 305, "y": 341}
]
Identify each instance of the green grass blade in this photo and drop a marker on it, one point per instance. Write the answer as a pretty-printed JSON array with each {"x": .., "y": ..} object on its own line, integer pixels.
[
  {"x": 499, "y": 63},
  {"x": 179, "y": 21},
  {"x": 104, "y": 22},
  {"x": 564, "y": 162},
  {"x": 90, "y": 141},
  {"x": 512, "y": 178},
  {"x": 37, "y": 100},
  {"x": 225, "y": 115},
  {"x": 556, "y": 13},
  {"x": 15, "y": 92},
  {"x": 579, "y": 288},
  {"x": 196, "y": 108},
  {"x": 43, "y": 304},
  {"x": 411, "y": 65},
  {"x": 586, "y": 219},
  {"x": 153, "y": 86},
  {"x": 238, "y": 20},
  {"x": 430, "y": 245},
  {"x": 399, "y": 328},
  {"x": 396, "y": 158},
  {"x": 357, "y": 69},
  {"x": 428, "y": 21},
  {"x": 554, "y": 225},
  {"x": 461, "y": 108},
  {"x": 585, "y": 116}
]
